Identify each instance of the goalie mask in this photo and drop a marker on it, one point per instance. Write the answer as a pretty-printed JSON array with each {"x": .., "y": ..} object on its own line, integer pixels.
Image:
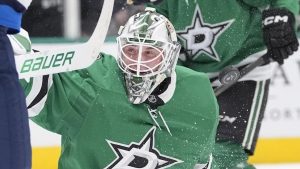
[{"x": 147, "y": 53}]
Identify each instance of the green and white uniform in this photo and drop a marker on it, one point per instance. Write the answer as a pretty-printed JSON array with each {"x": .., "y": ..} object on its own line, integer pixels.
[
  {"x": 100, "y": 128},
  {"x": 218, "y": 33}
]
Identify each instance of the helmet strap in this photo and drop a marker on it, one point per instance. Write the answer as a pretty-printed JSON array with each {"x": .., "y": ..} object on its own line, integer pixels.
[
  {"x": 153, "y": 99},
  {"x": 162, "y": 93}
]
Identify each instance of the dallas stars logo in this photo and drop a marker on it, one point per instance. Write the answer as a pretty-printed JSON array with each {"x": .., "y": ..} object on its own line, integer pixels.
[
  {"x": 141, "y": 155},
  {"x": 201, "y": 37}
]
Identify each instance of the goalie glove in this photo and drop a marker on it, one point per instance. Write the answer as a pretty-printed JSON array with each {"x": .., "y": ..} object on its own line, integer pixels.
[
  {"x": 278, "y": 33},
  {"x": 138, "y": 2}
]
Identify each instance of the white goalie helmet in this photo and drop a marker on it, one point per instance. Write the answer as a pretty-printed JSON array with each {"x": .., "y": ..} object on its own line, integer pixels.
[{"x": 147, "y": 53}]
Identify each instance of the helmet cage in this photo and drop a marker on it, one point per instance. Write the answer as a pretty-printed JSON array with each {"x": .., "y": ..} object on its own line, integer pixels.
[{"x": 161, "y": 59}]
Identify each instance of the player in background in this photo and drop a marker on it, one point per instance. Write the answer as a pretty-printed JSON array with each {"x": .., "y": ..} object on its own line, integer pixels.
[
  {"x": 126, "y": 112},
  {"x": 217, "y": 33},
  {"x": 15, "y": 149}
]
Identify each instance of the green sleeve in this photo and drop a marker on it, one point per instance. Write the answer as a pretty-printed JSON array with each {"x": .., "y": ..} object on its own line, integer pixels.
[
  {"x": 292, "y": 5},
  {"x": 59, "y": 93},
  {"x": 67, "y": 96},
  {"x": 203, "y": 102},
  {"x": 257, "y": 3}
]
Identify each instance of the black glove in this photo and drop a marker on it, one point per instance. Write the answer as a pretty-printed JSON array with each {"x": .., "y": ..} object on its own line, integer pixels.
[
  {"x": 138, "y": 2},
  {"x": 279, "y": 34}
]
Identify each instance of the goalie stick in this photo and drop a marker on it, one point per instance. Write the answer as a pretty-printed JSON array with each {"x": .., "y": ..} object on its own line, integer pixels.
[{"x": 69, "y": 58}]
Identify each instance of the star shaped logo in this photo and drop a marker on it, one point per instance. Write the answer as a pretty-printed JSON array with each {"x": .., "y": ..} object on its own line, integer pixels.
[
  {"x": 201, "y": 37},
  {"x": 140, "y": 155}
]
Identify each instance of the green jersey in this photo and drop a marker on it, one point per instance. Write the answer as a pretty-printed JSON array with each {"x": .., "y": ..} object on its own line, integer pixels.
[
  {"x": 217, "y": 33},
  {"x": 100, "y": 128}
]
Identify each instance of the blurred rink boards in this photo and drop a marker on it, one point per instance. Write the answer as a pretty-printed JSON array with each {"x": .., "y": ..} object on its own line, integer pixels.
[{"x": 279, "y": 140}]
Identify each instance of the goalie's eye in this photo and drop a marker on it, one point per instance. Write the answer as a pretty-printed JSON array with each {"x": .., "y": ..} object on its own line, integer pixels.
[
  {"x": 146, "y": 53},
  {"x": 131, "y": 50},
  {"x": 150, "y": 53}
]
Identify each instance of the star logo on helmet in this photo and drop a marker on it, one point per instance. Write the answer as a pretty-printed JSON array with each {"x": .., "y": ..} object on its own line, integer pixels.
[
  {"x": 140, "y": 155},
  {"x": 201, "y": 37}
]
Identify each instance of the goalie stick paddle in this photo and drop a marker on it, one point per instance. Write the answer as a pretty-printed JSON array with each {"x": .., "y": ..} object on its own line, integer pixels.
[
  {"x": 232, "y": 76},
  {"x": 69, "y": 58}
]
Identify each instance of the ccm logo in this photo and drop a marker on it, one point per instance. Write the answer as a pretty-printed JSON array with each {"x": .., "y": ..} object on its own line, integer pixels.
[{"x": 275, "y": 19}]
